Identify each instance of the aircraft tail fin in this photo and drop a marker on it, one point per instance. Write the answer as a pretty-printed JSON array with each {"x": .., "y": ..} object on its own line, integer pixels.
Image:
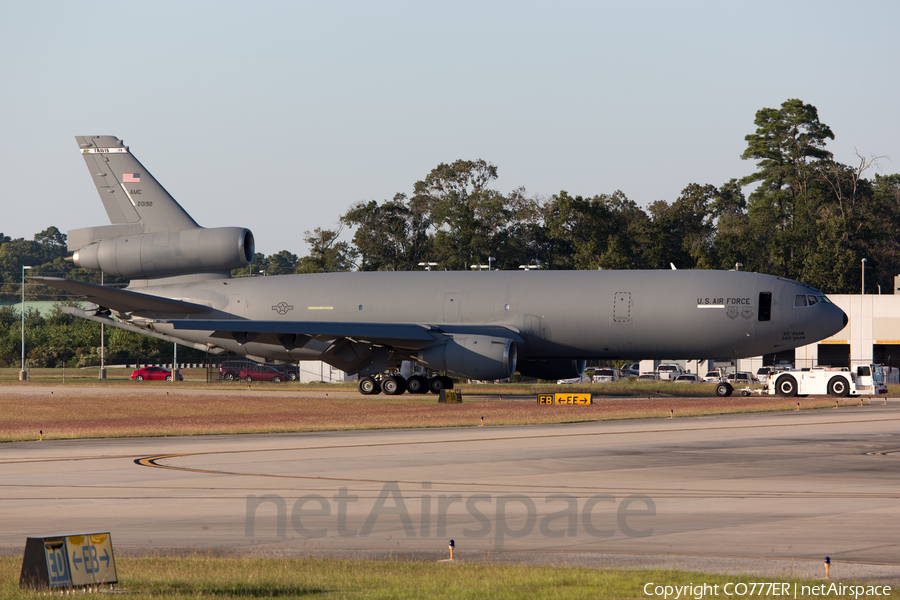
[
  {"x": 151, "y": 235},
  {"x": 130, "y": 194}
]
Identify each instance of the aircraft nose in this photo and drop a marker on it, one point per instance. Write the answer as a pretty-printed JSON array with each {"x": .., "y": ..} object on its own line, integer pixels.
[{"x": 832, "y": 321}]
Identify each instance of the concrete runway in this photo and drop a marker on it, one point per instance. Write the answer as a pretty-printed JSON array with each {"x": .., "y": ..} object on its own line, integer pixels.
[{"x": 795, "y": 486}]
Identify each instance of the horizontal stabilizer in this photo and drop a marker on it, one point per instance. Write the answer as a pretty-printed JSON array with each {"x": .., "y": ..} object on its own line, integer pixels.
[{"x": 122, "y": 301}]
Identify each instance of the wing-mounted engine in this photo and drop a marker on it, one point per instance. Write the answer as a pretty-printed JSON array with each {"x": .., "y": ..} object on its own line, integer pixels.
[
  {"x": 552, "y": 368},
  {"x": 472, "y": 356},
  {"x": 196, "y": 250}
]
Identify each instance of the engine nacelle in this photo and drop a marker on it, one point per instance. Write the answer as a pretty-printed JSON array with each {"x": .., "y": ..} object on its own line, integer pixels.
[
  {"x": 553, "y": 368},
  {"x": 473, "y": 357},
  {"x": 196, "y": 250}
]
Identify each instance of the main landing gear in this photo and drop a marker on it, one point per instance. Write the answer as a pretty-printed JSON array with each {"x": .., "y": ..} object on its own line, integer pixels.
[{"x": 394, "y": 385}]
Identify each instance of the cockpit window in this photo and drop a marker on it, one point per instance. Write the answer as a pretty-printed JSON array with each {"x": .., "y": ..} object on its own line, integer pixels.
[{"x": 807, "y": 300}]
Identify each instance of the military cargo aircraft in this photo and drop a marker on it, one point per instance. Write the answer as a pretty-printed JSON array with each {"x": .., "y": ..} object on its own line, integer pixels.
[{"x": 479, "y": 325}]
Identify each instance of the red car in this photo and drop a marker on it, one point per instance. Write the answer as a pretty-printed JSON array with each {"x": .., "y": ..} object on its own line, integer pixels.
[
  {"x": 154, "y": 374},
  {"x": 262, "y": 373}
]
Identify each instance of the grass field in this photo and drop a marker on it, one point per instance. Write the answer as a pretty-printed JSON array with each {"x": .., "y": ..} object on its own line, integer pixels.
[
  {"x": 206, "y": 577},
  {"x": 155, "y": 410}
]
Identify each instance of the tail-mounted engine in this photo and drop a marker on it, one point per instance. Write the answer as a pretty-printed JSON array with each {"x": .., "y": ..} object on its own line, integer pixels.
[{"x": 195, "y": 250}]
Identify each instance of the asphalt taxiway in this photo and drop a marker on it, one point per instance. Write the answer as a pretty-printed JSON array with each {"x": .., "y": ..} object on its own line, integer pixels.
[{"x": 790, "y": 486}]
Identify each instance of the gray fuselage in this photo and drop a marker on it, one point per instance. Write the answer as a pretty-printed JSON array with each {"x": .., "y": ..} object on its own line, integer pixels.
[{"x": 556, "y": 314}]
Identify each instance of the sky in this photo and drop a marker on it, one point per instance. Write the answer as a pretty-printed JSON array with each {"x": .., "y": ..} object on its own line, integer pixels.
[{"x": 279, "y": 116}]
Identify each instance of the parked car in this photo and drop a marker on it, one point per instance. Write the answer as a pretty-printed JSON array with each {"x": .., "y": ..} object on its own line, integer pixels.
[
  {"x": 742, "y": 377},
  {"x": 154, "y": 374},
  {"x": 632, "y": 369},
  {"x": 687, "y": 378},
  {"x": 582, "y": 379},
  {"x": 229, "y": 370},
  {"x": 262, "y": 373},
  {"x": 648, "y": 377},
  {"x": 712, "y": 377},
  {"x": 291, "y": 371},
  {"x": 763, "y": 373},
  {"x": 605, "y": 376},
  {"x": 668, "y": 372}
]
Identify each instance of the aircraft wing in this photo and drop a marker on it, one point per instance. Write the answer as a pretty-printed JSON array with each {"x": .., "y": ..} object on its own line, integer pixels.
[
  {"x": 408, "y": 335},
  {"x": 122, "y": 300},
  {"x": 404, "y": 335}
]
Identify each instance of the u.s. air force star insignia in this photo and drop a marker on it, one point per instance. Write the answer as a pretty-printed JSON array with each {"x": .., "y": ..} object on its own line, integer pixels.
[{"x": 282, "y": 308}]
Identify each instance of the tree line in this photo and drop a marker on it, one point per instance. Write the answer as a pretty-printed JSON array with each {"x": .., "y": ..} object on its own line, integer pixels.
[{"x": 807, "y": 217}]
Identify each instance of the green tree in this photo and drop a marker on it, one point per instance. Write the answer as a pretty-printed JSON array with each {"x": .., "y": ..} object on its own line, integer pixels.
[
  {"x": 326, "y": 253},
  {"x": 281, "y": 263},
  {"x": 789, "y": 145},
  {"x": 468, "y": 216},
  {"x": 392, "y": 236}
]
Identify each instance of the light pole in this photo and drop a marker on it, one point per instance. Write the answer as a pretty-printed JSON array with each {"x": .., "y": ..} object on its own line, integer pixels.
[
  {"x": 864, "y": 277},
  {"x": 22, "y": 374},
  {"x": 491, "y": 260},
  {"x": 102, "y": 341}
]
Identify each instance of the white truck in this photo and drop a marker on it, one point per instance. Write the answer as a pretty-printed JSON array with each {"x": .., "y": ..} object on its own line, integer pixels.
[
  {"x": 861, "y": 379},
  {"x": 668, "y": 372}
]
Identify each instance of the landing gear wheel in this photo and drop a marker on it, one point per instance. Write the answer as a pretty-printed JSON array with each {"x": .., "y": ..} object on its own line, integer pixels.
[
  {"x": 393, "y": 385},
  {"x": 368, "y": 386},
  {"x": 786, "y": 386},
  {"x": 439, "y": 383},
  {"x": 838, "y": 387},
  {"x": 723, "y": 389},
  {"x": 417, "y": 385}
]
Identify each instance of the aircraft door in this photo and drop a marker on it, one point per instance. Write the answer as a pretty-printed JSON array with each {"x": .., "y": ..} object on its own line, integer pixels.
[{"x": 622, "y": 307}]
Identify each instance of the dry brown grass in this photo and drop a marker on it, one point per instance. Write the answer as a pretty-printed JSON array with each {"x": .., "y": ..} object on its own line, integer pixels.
[{"x": 152, "y": 413}]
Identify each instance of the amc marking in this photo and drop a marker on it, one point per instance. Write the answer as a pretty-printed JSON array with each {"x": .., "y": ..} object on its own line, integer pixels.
[{"x": 282, "y": 308}]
